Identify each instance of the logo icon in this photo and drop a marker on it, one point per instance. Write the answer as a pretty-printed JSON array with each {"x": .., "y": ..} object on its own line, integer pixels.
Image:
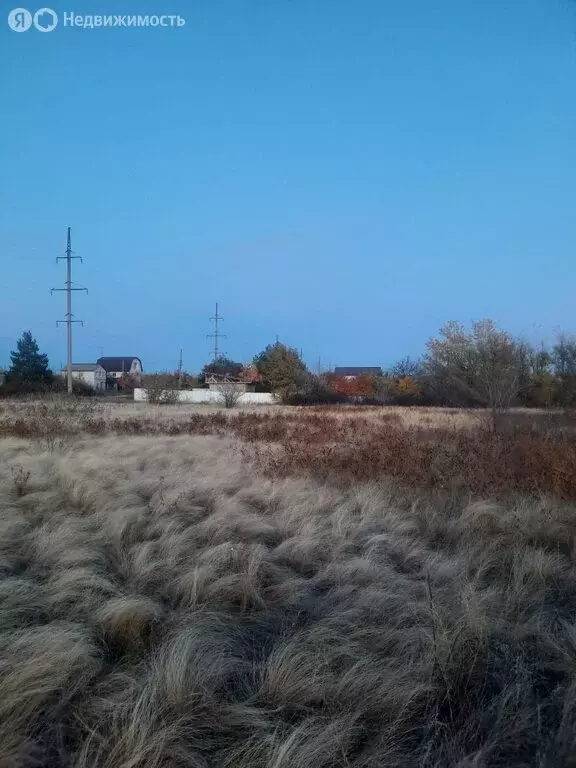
[
  {"x": 45, "y": 20},
  {"x": 19, "y": 20}
]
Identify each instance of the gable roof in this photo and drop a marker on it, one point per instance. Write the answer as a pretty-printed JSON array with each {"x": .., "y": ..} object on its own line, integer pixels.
[
  {"x": 358, "y": 370},
  {"x": 85, "y": 366},
  {"x": 117, "y": 364}
]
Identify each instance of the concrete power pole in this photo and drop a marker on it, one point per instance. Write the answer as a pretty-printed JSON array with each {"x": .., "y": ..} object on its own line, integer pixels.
[
  {"x": 216, "y": 335},
  {"x": 180, "y": 371},
  {"x": 68, "y": 317}
]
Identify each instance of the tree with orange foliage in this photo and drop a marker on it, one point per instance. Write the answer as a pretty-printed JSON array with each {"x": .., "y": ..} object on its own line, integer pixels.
[
  {"x": 406, "y": 387},
  {"x": 250, "y": 374},
  {"x": 357, "y": 386}
]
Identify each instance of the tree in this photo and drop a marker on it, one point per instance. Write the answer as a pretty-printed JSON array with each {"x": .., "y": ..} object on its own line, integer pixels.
[
  {"x": 479, "y": 367},
  {"x": 28, "y": 363},
  {"x": 281, "y": 369},
  {"x": 403, "y": 383},
  {"x": 230, "y": 393},
  {"x": 563, "y": 359},
  {"x": 250, "y": 375},
  {"x": 537, "y": 384},
  {"x": 353, "y": 386},
  {"x": 406, "y": 368},
  {"x": 161, "y": 388},
  {"x": 127, "y": 382},
  {"x": 405, "y": 390}
]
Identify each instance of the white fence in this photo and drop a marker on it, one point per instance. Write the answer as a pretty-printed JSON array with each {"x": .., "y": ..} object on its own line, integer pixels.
[{"x": 211, "y": 396}]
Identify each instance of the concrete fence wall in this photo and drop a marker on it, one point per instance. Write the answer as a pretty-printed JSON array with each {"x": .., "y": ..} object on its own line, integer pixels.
[{"x": 211, "y": 396}]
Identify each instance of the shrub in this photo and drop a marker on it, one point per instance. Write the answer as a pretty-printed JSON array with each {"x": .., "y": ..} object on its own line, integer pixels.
[
  {"x": 15, "y": 387},
  {"x": 357, "y": 386},
  {"x": 230, "y": 393},
  {"x": 315, "y": 391},
  {"x": 161, "y": 388},
  {"x": 316, "y": 397},
  {"x": 79, "y": 388}
]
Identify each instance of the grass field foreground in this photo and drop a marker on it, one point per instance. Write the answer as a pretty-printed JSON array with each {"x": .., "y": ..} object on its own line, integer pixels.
[{"x": 164, "y": 601}]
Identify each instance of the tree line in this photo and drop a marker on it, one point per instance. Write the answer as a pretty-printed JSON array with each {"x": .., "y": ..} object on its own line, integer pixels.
[{"x": 479, "y": 366}]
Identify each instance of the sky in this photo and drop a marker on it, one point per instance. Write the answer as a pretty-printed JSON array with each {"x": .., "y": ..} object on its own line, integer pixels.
[{"x": 346, "y": 175}]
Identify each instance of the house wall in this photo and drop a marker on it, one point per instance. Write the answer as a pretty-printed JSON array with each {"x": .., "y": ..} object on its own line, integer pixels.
[
  {"x": 134, "y": 370},
  {"x": 85, "y": 376},
  {"x": 95, "y": 379},
  {"x": 211, "y": 396}
]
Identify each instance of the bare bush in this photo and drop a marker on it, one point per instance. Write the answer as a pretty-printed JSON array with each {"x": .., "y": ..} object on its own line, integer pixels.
[
  {"x": 161, "y": 388},
  {"x": 230, "y": 393}
]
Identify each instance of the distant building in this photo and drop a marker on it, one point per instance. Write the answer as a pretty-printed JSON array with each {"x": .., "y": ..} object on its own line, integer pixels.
[
  {"x": 352, "y": 372},
  {"x": 91, "y": 374},
  {"x": 216, "y": 380},
  {"x": 116, "y": 367}
]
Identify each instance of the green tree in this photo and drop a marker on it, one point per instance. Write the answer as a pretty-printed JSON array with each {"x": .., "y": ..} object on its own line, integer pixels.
[
  {"x": 28, "y": 363},
  {"x": 281, "y": 369}
]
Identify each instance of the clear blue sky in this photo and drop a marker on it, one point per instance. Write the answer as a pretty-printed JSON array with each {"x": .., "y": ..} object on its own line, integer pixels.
[{"x": 345, "y": 174}]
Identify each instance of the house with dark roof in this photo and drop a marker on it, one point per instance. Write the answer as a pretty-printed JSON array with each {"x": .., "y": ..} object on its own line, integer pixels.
[
  {"x": 353, "y": 371},
  {"x": 116, "y": 367}
]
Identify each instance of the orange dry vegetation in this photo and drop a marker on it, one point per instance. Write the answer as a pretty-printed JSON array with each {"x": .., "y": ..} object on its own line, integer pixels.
[{"x": 530, "y": 452}]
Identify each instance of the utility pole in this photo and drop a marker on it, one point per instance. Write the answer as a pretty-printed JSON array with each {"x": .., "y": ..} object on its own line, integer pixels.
[
  {"x": 216, "y": 335},
  {"x": 69, "y": 317},
  {"x": 180, "y": 370}
]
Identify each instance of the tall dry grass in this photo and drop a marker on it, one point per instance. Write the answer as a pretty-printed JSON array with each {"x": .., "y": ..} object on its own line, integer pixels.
[
  {"x": 163, "y": 605},
  {"x": 531, "y": 452}
]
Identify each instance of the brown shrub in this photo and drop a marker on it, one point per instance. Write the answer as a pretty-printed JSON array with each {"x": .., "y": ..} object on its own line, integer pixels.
[{"x": 532, "y": 452}]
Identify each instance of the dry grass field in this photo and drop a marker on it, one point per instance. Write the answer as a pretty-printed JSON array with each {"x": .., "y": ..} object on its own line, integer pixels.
[{"x": 285, "y": 588}]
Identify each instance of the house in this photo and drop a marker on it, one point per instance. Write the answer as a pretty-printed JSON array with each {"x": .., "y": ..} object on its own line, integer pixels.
[
  {"x": 91, "y": 374},
  {"x": 116, "y": 367},
  {"x": 353, "y": 372}
]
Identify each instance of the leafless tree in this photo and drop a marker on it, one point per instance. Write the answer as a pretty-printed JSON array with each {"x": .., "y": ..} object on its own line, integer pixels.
[
  {"x": 161, "y": 388},
  {"x": 406, "y": 367},
  {"x": 230, "y": 393},
  {"x": 479, "y": 367}
]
